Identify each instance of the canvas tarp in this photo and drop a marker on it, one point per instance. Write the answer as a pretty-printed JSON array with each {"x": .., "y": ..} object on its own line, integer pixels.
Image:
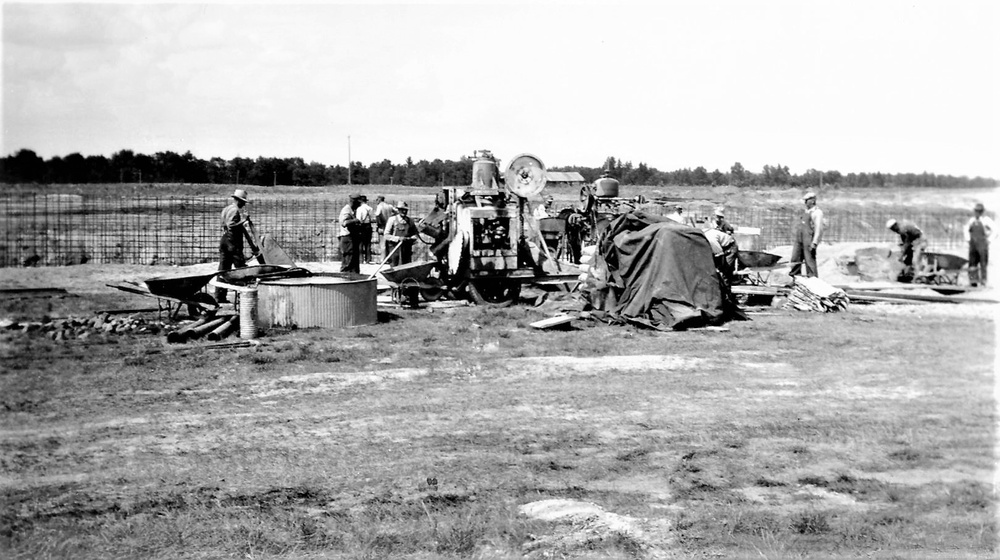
[{"x": 655, "y": 272}]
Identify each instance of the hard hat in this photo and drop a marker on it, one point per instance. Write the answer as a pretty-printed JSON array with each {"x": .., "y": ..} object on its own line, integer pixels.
[
  {"x": 890, "y": 223},
  {"x": 809, "y": 195},
  {"x": 720, "y": 212},
  {"x": 979, "y": 207},
  {"x": 240, "y": 194}
]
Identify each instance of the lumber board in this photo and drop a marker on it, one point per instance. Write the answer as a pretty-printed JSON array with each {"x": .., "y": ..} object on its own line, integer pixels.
[
  {"x": 552, "y": 322},
  {"x": 919, "y": 297}
]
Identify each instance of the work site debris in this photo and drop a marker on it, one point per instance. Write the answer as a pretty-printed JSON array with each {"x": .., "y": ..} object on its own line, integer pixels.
[
  {"x": 81, "y": 328},
  {"x": 813, "y": 294}
]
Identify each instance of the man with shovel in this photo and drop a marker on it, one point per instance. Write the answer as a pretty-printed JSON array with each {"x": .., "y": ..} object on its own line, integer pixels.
[
  {"x": 235, "y": 221},
  {"x": 400, "y": 230}
]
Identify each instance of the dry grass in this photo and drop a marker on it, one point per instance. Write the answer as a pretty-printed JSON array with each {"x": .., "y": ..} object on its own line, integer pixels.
[{"x": 794, "y": 435}]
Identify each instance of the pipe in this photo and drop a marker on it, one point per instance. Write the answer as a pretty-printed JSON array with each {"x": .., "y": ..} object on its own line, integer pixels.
[
  {"x": 224, "y": 329},
  {"x": 180, "y": 335},
  {"x": 200, "y": 330}
]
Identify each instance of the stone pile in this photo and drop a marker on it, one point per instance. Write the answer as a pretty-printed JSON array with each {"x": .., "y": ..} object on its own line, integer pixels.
[{"x": 82, "y": 328}]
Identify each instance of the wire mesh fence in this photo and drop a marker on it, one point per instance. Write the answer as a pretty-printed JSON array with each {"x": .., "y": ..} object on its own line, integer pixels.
[{"x": 65, "y": 229}]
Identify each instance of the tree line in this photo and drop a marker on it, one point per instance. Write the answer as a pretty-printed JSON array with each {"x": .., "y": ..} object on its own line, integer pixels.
[{"x": 126, "y": 166}]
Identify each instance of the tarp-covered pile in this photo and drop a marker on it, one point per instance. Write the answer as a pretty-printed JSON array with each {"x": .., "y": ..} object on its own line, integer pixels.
[{"x": 655, "y": 272}]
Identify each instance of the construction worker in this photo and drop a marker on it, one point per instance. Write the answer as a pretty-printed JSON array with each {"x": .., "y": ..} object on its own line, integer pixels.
[
  {"x": 807, "y": 234},
  {"x": 383, "y": 211},
  {"x": 913, "y": 244},
  {"x": 720, "y": 221},
  {"x": 234, "y": 222},
  {"x": 979, "y": 232},
  {"x": 366, "y": 215},
  {"x": 544, "y": 210},
  {"x": 349, "y": 235},
  {"x": 576, "y": 225},
  {"x": 400, "y": 230},
  {"x": 724, "y": 253}
]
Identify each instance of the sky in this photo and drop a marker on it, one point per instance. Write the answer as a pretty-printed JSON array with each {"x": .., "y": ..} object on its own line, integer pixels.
[{"x": 853, "y": 86}]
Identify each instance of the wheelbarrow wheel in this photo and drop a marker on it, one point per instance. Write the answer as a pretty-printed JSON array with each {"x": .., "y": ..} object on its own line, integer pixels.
[
  {"x": 434, "y": 290},
  {"x": 197, "y": 308},
  {"x": 494, "y": 293}
]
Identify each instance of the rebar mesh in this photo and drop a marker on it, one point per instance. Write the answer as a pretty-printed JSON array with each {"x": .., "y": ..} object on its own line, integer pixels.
[{"x": 65, "y": 229}]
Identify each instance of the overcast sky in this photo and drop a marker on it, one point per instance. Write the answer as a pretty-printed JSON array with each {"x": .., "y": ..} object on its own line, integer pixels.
[{"x": 847, "y": 85}]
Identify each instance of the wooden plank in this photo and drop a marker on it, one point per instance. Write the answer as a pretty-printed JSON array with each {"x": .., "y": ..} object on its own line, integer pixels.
[
  {"x": 759, "y": 290},
  {"x": 552, "y": 322},
  {"x": 875, "y": 286},
  {"x": 919, "y": 297}
]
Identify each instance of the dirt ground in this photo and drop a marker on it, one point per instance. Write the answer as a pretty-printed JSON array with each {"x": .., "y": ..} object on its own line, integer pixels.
[{"x": 465, "y": 433}]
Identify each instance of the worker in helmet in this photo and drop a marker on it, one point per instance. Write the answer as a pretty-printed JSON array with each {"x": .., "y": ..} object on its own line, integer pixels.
[
  {"x": 806, "y": 237},
  {"x": 912, "y": 246},
  {"x": 979, "y": 232},
  {"x": 235, "y": 220}
]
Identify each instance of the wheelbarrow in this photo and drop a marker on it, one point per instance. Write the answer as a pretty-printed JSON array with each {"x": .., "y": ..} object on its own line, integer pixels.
[
  {"x": 755, "y": 267},
  {"x": 939, "y": 269},
  {"x": 175, "y": 290},
  {"x": 422, "y": 276}
]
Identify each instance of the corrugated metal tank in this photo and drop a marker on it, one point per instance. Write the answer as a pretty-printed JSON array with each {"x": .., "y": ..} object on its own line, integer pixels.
[{"x": 328, "y": 300}]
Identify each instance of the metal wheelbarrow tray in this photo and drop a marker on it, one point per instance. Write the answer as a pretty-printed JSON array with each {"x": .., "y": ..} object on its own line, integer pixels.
[
  {"x": 415, "y": 275},
  {"x": 940, "y": 268},
  {"x": 755, "y": 267},
  {"x": 180, "y": 290}
]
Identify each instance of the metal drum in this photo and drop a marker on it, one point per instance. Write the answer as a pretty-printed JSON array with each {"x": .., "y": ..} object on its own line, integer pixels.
[{"x": 325, "y": 300}]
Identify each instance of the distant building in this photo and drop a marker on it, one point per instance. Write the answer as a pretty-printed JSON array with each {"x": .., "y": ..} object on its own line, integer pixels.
[{"x": 564, "y": 178}]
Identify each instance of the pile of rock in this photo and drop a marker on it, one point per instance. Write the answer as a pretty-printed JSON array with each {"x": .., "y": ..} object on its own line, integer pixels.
[{"x": 82, "y": 328}]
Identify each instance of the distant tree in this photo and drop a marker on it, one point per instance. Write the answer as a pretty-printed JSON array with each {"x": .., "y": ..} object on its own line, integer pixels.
[
  {"x": 23, "y": 167},
  {"x": 381, "y": 173},
  {"x": 718, "y": 178},
  {"x": 778, "y": 175},
  {"x": 738, "y": 175}
]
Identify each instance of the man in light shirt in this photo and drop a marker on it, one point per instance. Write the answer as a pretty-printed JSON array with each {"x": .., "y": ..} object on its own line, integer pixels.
[
  {"x": 979, "y": 232},
  {"x": 348, "y": 234},
  {"x": 366, "y": 216},
  {"x": 807, "y": 235}
]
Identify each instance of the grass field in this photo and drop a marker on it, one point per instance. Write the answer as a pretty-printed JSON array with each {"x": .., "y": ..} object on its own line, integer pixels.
[{"x": 869, "y": 433}]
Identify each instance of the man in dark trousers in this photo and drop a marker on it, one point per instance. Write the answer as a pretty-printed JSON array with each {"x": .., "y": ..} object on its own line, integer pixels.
[
  {"x": 913, "y": 244},
  {"x": 400, "y": 230},
  {"x": 806, "y": 237},
  {"x": 349, "y": 235},
  {"x": 979, "y": 231},
  {"x": 234, "y": 220}
]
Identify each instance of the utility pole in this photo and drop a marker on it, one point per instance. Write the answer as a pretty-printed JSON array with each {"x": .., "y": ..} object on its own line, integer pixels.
[
  {"x": 237, "y": 176},
  {"x": 348, "y": 159},
  {"x": 275, "y": 178}
]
